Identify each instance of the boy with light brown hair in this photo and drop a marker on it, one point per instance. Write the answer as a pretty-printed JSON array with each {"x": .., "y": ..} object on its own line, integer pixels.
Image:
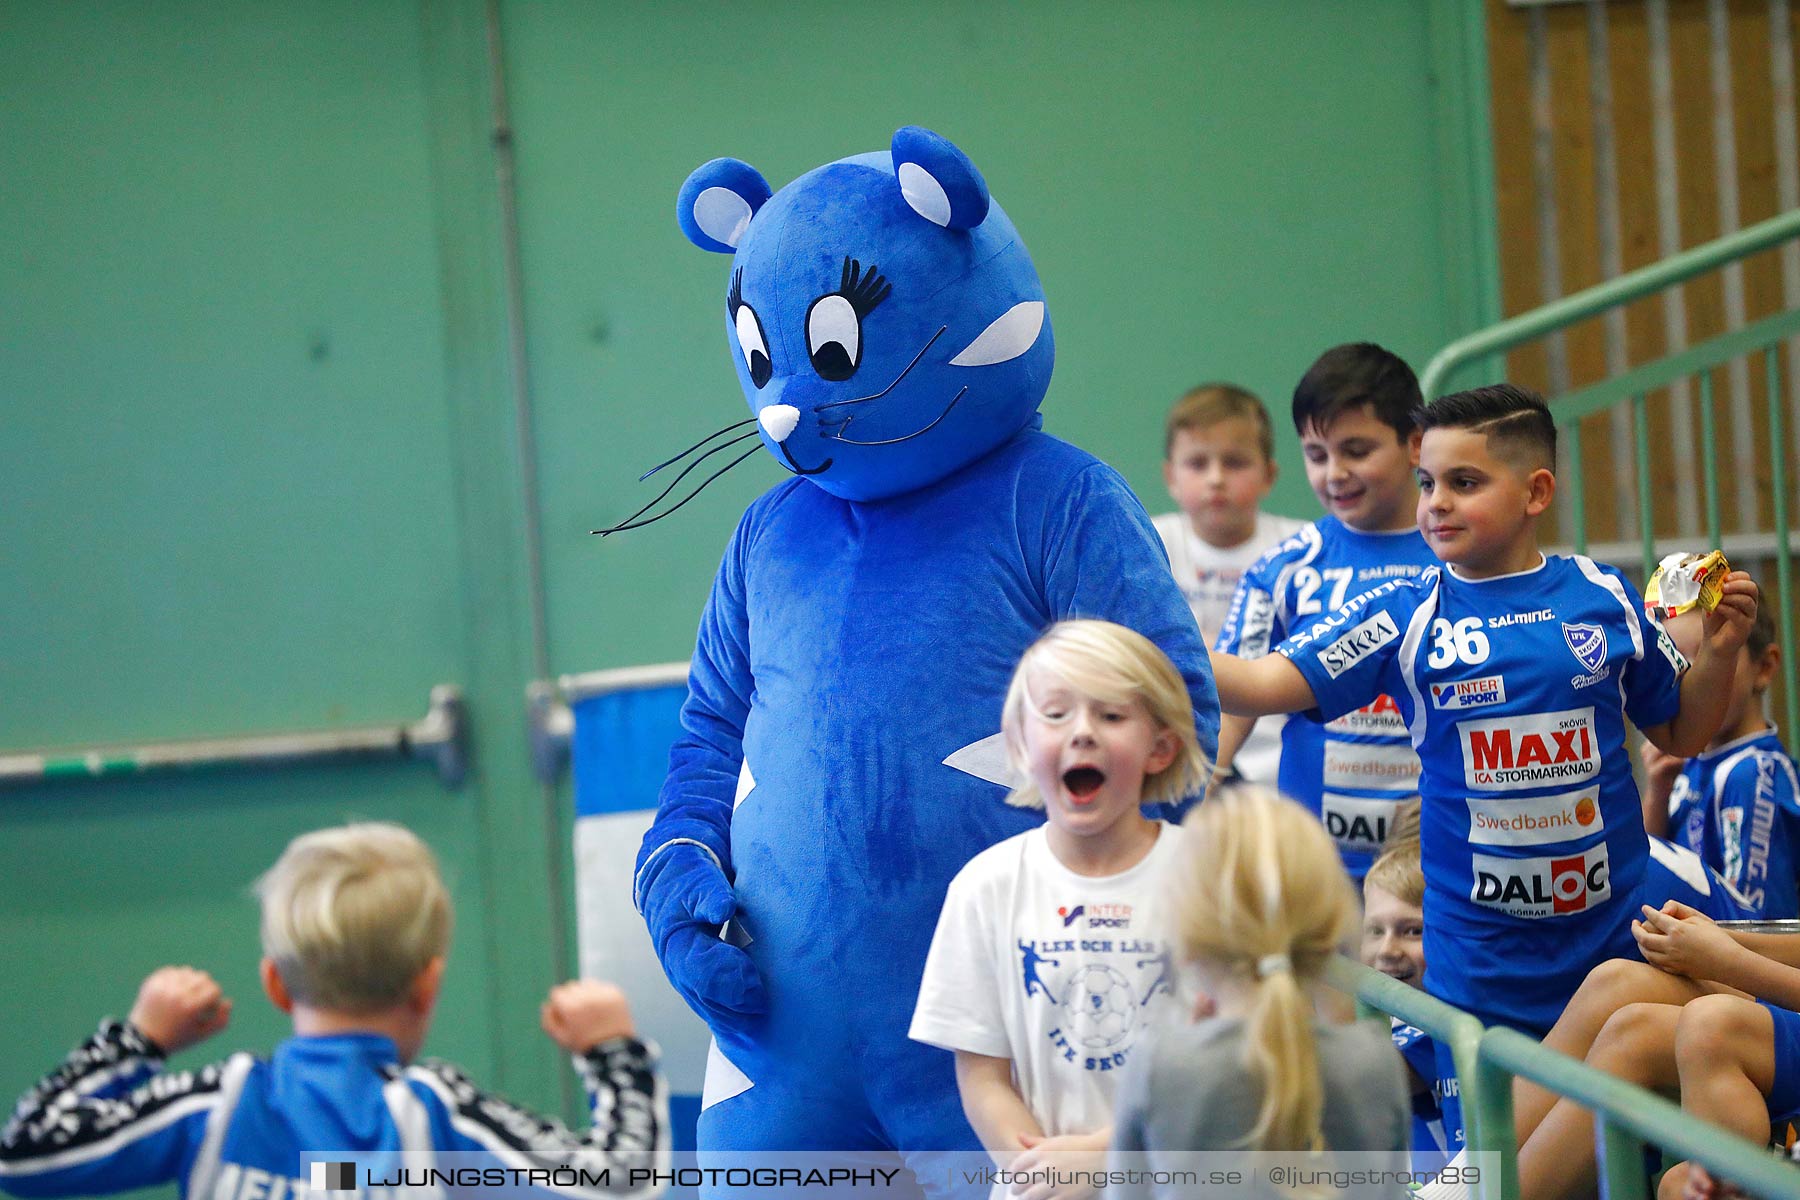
[
  {"x": 1219, "y": 464},
  {"x": 355, "y": 927}
]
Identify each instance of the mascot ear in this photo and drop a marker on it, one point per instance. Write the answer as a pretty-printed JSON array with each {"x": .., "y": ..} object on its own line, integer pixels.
[
  {"x": 717, "y": 201},
  {"x": 938, "y": 180}
]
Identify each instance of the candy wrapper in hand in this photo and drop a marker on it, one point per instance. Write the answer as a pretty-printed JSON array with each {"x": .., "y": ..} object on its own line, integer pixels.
[{"x": 1682, "y": 581}]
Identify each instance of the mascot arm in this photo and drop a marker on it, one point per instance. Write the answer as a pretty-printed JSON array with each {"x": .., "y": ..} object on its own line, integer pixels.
[
  {"x": 683, "y": 880},
  {"x": 1103, "y": 558},
  {"x": 697, "y": 796}
]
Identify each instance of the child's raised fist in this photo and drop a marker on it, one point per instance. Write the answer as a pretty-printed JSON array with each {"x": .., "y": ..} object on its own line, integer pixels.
[
  {"x": 179, "y": 1006},
  {"x": 582, "y": 1013}
]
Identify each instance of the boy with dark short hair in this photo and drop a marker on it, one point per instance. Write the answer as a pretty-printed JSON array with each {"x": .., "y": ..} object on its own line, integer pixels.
[
  {"x": 1514, "y": 673},
  {"x": 1353, "y": 411}
]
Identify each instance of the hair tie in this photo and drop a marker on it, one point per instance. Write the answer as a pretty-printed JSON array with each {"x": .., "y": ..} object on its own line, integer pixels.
[{"x": 1270, "y": 964}]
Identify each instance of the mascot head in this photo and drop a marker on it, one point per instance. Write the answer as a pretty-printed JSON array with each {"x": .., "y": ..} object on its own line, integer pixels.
[{"x": 886, "y": 321}]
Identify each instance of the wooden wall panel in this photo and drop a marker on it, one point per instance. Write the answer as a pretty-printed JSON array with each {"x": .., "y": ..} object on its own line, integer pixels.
[
  {"x": 1753, "y": 124},
  {"x": 1521, "y": 286},
  {"x": 1605, "y": 214},
  {"x": 1632, "y": 92}
]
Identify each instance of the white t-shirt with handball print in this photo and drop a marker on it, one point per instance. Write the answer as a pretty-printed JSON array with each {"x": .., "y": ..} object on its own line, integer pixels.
[{"x": 1059, "y": 972}]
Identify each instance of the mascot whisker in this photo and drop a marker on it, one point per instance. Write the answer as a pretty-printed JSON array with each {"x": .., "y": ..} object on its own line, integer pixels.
[{"x": 632, "y": 521}]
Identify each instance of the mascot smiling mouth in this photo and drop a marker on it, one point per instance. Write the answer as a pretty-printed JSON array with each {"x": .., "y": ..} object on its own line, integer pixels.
[{"x": 839, "y": 426}]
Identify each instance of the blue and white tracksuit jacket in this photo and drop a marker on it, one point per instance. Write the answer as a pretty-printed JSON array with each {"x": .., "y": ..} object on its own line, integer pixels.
[{"x": 111, "y": 1119}]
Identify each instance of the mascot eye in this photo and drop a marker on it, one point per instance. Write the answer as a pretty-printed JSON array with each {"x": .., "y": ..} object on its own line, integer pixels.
[
  {"x": 750, "y": 341},
  {"x": 834, "y": 322},
  {"x": 834, "y": 337}
]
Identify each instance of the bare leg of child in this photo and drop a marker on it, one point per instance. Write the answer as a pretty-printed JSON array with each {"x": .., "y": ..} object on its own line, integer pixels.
[
  {"x": 1636, "y": 1044},
  {"x": 1608, "y": 988},
  {"x": 1725, "y": 1049}
]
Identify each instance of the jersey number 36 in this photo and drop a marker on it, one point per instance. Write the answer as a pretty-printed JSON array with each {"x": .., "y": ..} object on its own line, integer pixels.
[{"x": 1462, "y": 642}]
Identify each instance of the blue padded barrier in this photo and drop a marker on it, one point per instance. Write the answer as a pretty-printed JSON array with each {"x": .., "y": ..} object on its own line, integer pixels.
[{"x": 619, "y": 754}]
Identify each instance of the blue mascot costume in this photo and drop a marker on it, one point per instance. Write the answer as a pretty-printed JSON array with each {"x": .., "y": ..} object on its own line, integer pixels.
[{"x": 840, "y": 756}]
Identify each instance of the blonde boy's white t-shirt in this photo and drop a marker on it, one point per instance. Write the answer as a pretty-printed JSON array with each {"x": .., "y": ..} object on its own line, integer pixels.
[
  {"x": 1059, "y": 972},
  {"x": 1208, "y": 578}
]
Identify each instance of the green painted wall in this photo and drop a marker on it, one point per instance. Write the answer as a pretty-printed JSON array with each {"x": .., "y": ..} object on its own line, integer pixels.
[
  {"x": 261, "y": 467},
  {"x": 1217, "y": 190},
  {"x": 228, "y": 492}
]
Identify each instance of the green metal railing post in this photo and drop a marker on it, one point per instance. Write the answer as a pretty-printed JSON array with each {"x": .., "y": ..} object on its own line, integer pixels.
[
  {"x": 1631, "y": 1113},
  {"x": 1614, "y": 292},
  {"x": 1620, "y": 1157},
  {"x": 1709, "y": 454},
  {"x": 1640, "y": 432},
  {"x": 1784, "y": 563},
  {"x": 1627, "y": 1118},
  {"x": 1577, "y": 486},
  {"x": 1485, "y": 1091}
]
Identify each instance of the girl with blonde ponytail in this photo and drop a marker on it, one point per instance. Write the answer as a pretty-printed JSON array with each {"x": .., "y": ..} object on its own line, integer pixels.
[{"x": 1260, "y": 904}]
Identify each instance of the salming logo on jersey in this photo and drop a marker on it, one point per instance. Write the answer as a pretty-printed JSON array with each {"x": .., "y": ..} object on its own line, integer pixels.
[
  {"x": 1529, "y": 751},
  {"x": 1542, "y": 887},
  {"x": 1535, "y": 820}
]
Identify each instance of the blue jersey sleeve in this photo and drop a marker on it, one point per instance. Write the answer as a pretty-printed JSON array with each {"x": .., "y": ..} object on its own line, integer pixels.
[
  {"x": 1753, "y": 827},
  {"x": 106, "y": 1120},
  {"x": 625, "y": 1145},
  {"x": 1674, "y": 872},
  {"x": 1653, "y": 678},
  {"x": 1254, "y": 623},
  {"x": 1352, "y": 655}
]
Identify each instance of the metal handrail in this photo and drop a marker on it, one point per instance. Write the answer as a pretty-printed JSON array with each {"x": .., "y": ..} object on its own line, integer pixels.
[
  {"x": 1636, "y": 385},
  {"x": 1659, "y": 373},
  {"x": 1485, "y": 1097},
  {"x": 1614, "y": 292},
  {"x": 1623, "y": 1106},
  {"x": 550, "y": 720},
  {"x": 437, "y": 738},
  {"x": 1626, "y": 1116}
]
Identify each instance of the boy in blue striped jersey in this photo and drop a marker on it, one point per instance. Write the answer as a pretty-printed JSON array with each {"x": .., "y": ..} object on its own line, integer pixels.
[
  {"x": 1737, "y": 803},
  {"x": 1514, "y": 674},
  {"x": 355, "y": 926},
  {"x": 1353, "y": 411}
]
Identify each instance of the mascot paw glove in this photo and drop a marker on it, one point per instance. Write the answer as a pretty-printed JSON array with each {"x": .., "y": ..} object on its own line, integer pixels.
[{"x": 685, "y": 899}]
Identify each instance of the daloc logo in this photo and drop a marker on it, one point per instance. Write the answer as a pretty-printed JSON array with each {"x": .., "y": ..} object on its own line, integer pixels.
[{"x": 1587, "y": 643}]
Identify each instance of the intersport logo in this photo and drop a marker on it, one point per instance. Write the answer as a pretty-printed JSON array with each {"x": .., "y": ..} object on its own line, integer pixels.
[
  {"x": 1470, "y": 693},
  {"x": 1503, "y": 754},
  {"x": 1542, "y": 887}
]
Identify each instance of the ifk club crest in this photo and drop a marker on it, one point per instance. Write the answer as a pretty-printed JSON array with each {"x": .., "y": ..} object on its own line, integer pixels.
[{"x": 1587, "y": 643}]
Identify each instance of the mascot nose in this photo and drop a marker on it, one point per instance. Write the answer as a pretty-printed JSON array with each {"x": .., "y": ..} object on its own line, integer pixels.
[{"x": 778, "y": 420}]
